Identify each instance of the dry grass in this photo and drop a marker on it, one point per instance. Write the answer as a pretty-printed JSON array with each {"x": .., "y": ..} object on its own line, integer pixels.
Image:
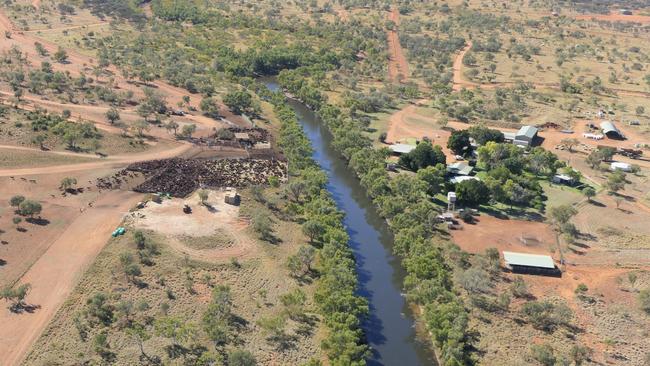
[{"x": 185, "y": 285}]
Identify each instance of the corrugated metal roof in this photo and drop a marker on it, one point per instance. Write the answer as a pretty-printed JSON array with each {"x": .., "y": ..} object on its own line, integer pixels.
[
  {"x": 530, "y": 260},
  {"x": 461, "y": 178},
  {"x": 459, "y": 168},
  {"x": 402, "y": 148},
  {"x": 608, "y": 127},
  {"x": 528, "y": 131}
]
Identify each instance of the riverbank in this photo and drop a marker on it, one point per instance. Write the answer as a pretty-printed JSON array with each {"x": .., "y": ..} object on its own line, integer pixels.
[
  {"x": 391, "y": 329},
  {"x": 404, "y": 201}
]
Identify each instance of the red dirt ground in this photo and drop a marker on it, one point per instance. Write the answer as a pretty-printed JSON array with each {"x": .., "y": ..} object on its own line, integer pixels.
[
  {"x": 54, "y": 275},
  {"x": 492, "y": 232},
  {"x": 398, "y": 68},
  {"x": 71, "y": 246}
]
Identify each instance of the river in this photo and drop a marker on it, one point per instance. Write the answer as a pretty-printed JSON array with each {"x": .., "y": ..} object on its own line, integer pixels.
[{"x": 390, "y": 327}]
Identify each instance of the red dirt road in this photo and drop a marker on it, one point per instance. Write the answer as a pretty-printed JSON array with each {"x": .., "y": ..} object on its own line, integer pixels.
[
  {"x": 116, "y": 161},
  {"x": 56, "y": 273},
  {"x": 459, "y": 83},
  {"x": 398, "y": 67}
]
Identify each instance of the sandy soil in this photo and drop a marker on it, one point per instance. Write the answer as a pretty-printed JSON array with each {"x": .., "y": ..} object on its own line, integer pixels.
[
  {"x": 503, "y": 234},
  {"x": 398, "y": 68},
  {"x": 55, "y": 274},
  {"x": 168, "y": 219}
]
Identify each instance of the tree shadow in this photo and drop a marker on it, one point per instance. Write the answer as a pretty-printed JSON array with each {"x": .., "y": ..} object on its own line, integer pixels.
[
  {"x": 22, "y": 307},
  {"x": 3, "y": 262},
  {"x": 38, "y": 221},
  {"x": 597, "y": 203}
]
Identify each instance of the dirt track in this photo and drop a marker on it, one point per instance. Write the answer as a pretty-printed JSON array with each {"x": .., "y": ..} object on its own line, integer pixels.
[
  {"x": 459, "y": 83},
  {"x": 55, "y": 274},
  {"x": 643, "y": 19},
  {"x": 117, "y": 160},
  {"x": 398, "y": 67}
]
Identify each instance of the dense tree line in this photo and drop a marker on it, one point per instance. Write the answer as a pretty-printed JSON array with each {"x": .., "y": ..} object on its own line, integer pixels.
[
  {"x": 336, "y": 297},
  {"x": 405, "y": 202}
]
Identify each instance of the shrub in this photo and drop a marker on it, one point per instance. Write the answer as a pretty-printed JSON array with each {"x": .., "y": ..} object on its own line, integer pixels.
[
  {"x": 545, "y": 315},
  {"x": 543, "y": 353},
  {"x": 644, "y": 300}
]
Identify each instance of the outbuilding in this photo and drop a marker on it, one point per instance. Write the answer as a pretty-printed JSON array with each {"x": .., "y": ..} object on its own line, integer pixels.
[
  {"x": 401, "y": 149},
  {"x": 617, "y": 165},
  {"x": 530, "y": 264},
  {"x": 563, "y": 179},
  {"x": 461, "y": 178},
  {"x": 611, "y": 131},
  {"x": 459, "y": 168},
  {"x": 526, "y": 136}
]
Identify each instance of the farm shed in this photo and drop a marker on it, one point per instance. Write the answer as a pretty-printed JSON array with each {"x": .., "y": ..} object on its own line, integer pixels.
[
  {"x": 563, "y": 179},
  {"x": 530, "y": 263},
  {"x": 620, "y": 166},
  {"x": 611, "y": 131},
  {"x": 459, "y": 168},
  {"x": 461, "y": 178},
  {"x": 526, "y": 135},
  {"x": 400, "y": 149}
]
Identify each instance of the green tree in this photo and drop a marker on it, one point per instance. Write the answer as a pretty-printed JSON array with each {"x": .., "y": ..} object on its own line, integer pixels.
[
  {"x": 210, "y": 107},
  {"x": 615, "y": 182},
  {"x": 113, "y": 115},
  {"x": 459, "y": 143},
  {"x": 570, "y": 143},
  {"x": 131, "y": 270},
  {"x": 589, "y": 192},
  {"x": 472, "y": 192},
  {"x": 217, "y": 318},
  {"x": 39, "y": 140},
  {"x": 42, "y": 51},
  {"x": 434, "y": 176},
  {"x": 172, "y": 126},
  {"x": 140, "y": 126},
  {"x": 545, "y": 315},
  {"x": 562, "y": 214},
  {"x": 314, "y": 229},
  {"x": 16, "y": 200},
  {"x": 61, "y": 56},
  {"x": 16, "y": 296},
  {"x": 482, "y": 135},
  {"x": 188, "y": 130},
  {"x": 238, "y": 101},
  {"x": 177, "y": 330},
  {"x": 68, "y": 183},
  {"x": 422, "y": 156},
  {"x": 139, "y": 334},
  {"x": 263, "y": 226},
  {"x": 30, "y": 208}
]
